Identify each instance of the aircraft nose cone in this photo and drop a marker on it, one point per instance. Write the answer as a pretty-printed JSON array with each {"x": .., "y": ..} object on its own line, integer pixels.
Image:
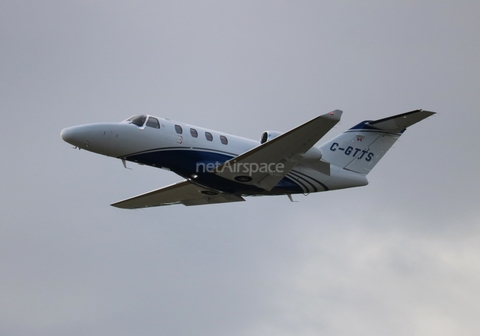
[{"x": 73, "y": 135}]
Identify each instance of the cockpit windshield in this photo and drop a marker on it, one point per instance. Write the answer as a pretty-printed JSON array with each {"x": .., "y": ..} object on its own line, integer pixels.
[
  {"x": 138, "y": 120},
  {"x": 143, "y": 120}
]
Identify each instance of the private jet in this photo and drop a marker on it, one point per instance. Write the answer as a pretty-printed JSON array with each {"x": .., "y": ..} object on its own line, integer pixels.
[{"x": 218, "y": 167}]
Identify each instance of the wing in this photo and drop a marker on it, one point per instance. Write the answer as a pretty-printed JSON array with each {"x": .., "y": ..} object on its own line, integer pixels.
[
  {"x": 265, "y": 165},
  {"x": 185, "y": 193}
]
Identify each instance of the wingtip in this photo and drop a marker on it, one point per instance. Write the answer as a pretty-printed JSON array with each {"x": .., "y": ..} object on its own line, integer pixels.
[
  {"x": 428, "y": 112},
  {"x": 119, "y": 205},
  {"x": 335, "y": 114},
  {"x": 116, "y": 206}
]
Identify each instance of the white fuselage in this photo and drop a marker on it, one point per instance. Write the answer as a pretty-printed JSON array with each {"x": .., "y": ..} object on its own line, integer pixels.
[{"x": 184, "y": 148}]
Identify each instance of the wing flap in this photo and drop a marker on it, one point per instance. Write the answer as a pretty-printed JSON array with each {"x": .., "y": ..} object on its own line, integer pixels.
[
  {"x": 185, "y": 192},
  {"x": 265, "y": 165}
]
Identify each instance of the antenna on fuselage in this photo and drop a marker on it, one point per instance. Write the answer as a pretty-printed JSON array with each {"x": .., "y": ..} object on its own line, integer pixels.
[
  {"x": 291, "y": 198},
  {"x": 125, "y": 164}
]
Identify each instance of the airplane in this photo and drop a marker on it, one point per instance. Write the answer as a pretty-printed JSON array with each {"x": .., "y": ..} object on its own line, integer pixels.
[{"x": 219, "y": 168}]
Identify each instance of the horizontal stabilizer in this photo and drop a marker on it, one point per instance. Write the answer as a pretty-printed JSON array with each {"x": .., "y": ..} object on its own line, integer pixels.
[{"x": 400, "y": 122}]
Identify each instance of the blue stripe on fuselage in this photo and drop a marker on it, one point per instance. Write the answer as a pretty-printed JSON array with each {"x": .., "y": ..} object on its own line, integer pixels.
[{"x": 187, "y": 162}]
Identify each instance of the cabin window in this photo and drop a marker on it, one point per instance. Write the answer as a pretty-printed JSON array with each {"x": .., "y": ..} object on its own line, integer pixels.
[
  {"x": 194, "y": 132},
  {"x": 209, "y": 136},
  {"x": 139, "y": 120},
  {"x": 153, "y": 122},
  {"x": 223, "y": 139},
  {"x": 178, "y": 129}
]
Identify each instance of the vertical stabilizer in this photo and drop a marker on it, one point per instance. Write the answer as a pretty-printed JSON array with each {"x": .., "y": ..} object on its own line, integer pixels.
[{"x": 361, "y": 147}]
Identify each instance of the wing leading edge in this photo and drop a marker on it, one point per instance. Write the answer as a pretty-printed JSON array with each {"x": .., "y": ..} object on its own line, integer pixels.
[
  {"x": 185, "y": 192},
  {"x": 286, "y": 149}
]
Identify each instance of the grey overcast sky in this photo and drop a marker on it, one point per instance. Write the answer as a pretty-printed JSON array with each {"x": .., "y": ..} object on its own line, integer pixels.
[{"x": 398, "y": 257}]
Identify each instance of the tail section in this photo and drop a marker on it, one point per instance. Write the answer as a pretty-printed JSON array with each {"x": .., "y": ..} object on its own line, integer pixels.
[{"x": 361, "y": 147}]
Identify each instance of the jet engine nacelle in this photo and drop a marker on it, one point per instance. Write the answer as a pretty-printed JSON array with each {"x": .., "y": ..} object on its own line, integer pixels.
[
  {"x": 313, "y": 153},
  {"x": 269, "y": 135}
]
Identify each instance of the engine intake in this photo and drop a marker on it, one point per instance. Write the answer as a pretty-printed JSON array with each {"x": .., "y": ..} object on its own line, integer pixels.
[
  {"x": 313, "y": 153},
  {"x": 269, "y": 135}
]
